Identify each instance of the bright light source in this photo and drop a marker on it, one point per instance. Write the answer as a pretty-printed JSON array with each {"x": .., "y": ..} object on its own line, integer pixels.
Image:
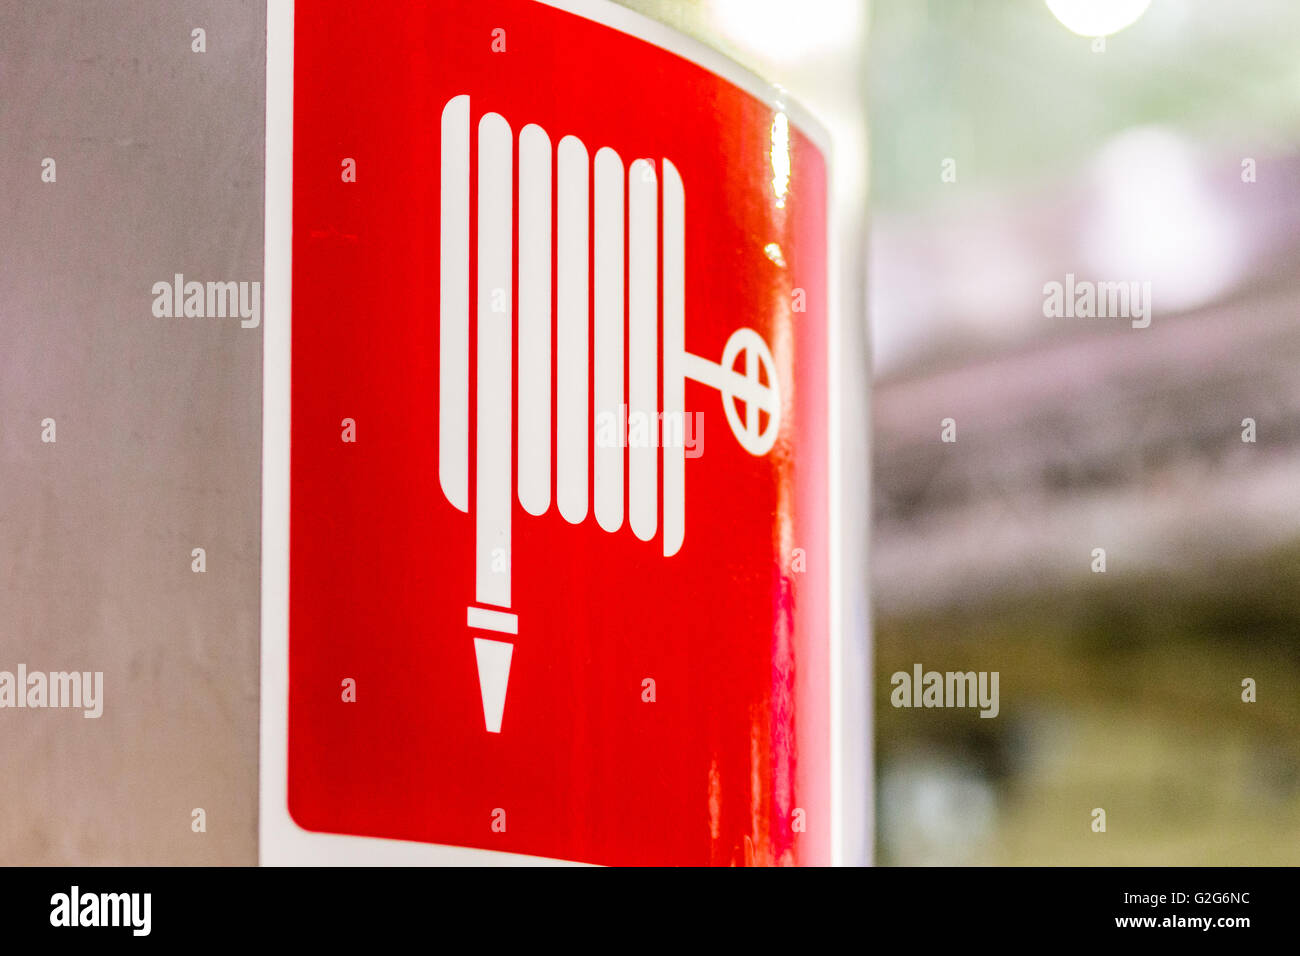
[
  {"x": 1097, "y": 18},
  {"x": 783, "y": 32},
  {"x": 1154, "y": 217}
]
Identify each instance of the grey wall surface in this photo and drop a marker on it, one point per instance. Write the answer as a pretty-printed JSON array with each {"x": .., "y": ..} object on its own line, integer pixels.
[{"x": 159, "y": 163}]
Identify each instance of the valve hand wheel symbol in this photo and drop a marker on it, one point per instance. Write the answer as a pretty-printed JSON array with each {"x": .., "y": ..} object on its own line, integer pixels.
[{"x": 749, "y": 392}]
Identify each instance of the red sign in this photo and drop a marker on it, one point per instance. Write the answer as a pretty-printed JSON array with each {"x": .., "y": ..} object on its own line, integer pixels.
[{"x": 558, "y": 546}]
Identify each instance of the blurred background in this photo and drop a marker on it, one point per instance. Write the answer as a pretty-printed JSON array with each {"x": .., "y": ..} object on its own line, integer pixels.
[
  {"x": 989, "y": 149},
  {"x": 1167, "y": 152}
]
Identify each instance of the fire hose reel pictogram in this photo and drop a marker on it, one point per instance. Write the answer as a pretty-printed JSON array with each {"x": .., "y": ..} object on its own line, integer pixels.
[{"x": 746, "y": 377}]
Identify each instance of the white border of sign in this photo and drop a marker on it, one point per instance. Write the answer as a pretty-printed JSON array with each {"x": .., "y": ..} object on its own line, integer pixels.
[{"x": 281, "y": 841}]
